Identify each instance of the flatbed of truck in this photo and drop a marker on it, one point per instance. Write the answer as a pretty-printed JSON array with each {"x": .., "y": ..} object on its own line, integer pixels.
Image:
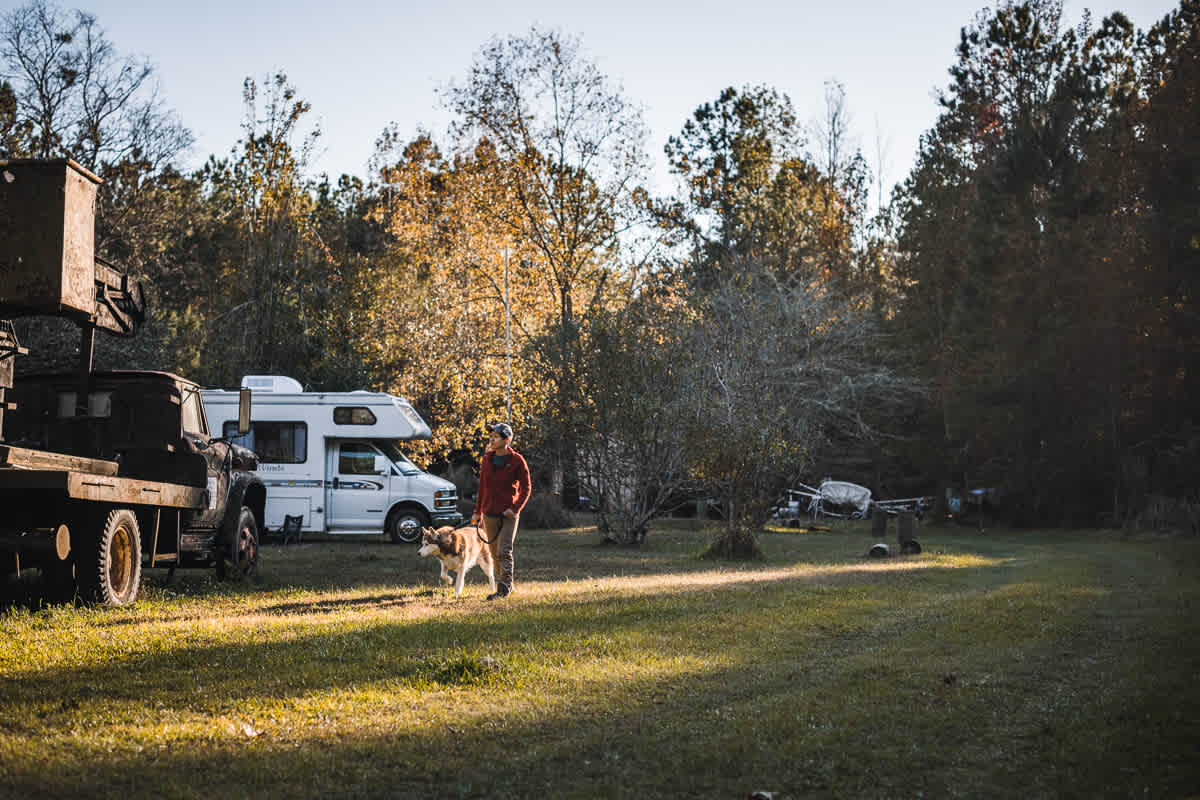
[{"x": 23, "y": 469}]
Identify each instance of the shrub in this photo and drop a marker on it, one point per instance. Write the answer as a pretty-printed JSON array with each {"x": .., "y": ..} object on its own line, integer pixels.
[
  {"x": 545, "y": 510},
  {"x": 1162, "y": 513}
]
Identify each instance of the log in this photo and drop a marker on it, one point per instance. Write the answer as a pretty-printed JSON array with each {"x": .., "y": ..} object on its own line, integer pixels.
[{"x": 38, "y": 543}]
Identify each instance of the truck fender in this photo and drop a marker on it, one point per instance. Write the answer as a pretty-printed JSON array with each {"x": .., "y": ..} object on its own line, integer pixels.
[{"x": 249, "y": 491}]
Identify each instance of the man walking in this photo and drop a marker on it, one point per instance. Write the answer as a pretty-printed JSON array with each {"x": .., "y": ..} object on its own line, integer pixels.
[{"x": 503, "y": 491}]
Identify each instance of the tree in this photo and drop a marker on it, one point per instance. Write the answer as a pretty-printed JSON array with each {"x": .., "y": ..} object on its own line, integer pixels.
[
  {"x": 76, "y": 96},
  {"x": 38, "y": 53},
  {"x": 1155, "y": 159},
  {"x": 751, "y": 196},
  {"x": 727, "y": 155},
  {"x": 833, "y": 129},
  {"x": 262, "y": 290},
  {"x": 639, "y": 375},
  {"x": 780, "y": 369},
  {"x": 14, "y": 131},
  {"x": 560, "y": 156},
  {"x": 1028, "y": 265},
  {"x": 437, "y": 314}
]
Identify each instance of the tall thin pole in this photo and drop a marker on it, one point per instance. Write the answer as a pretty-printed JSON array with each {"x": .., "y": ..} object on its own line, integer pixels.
[{"x": 507, "y": 342}]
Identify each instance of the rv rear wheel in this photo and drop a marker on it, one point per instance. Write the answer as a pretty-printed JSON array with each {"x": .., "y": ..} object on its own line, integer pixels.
[
  {"x": 404, "y": 525},
  {"x": 110, "y": 569}
]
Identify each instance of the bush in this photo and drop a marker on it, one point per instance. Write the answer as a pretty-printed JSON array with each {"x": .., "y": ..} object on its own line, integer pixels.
[
  {"x": 545, "y": 510},
  {"x": 1162, "y": 513},
  {"x": 737, "y": 544}
]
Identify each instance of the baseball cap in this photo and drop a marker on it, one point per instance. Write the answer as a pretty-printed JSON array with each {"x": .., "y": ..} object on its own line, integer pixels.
[{"x": 501, "y": 428}]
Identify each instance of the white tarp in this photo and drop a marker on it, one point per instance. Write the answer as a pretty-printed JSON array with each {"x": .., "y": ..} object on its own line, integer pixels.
[{"x": 841, "y": 493}]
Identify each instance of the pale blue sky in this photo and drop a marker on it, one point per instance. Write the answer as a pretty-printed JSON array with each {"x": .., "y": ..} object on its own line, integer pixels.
[{"x": 365, "y": 63}]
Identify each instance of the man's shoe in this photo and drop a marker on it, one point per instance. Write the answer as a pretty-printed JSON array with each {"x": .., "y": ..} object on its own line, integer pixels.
[{"x": 502, "y": 590}]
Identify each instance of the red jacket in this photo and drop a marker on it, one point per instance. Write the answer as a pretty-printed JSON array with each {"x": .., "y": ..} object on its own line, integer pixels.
[{"x": 504, "y": 488}]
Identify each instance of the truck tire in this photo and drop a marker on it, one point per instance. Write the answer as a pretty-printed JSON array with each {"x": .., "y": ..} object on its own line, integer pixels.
[
  {"x": 239, "y": 556},
  {"x": 111, "y": 568},
  {"x": 404, "y": 525}
]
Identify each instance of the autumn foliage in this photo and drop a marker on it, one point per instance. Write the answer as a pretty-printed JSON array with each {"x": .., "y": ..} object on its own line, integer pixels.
[{"x": 1021, "y": 313}]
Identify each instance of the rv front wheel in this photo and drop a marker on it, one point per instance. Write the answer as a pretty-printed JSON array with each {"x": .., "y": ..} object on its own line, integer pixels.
[{"x": 404, "y": 525}]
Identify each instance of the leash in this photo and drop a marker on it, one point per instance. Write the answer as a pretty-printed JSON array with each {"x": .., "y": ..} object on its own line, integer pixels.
[{"x": 478, "y": 533}]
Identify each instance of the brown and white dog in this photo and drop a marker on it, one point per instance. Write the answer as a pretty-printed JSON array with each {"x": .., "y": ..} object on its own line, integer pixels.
[{"x": 458, "y": 550}]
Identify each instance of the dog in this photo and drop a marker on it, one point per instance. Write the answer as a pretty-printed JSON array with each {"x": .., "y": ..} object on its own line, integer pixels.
[{"x": 458, "y": 550}]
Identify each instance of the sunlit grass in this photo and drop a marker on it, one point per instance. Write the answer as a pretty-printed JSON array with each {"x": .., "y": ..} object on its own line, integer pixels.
[{"x": 991, "y": 662}]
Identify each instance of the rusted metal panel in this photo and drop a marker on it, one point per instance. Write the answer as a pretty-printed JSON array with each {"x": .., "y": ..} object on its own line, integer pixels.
[
  {"x": 10, "y": 348},
  {"x": 120, "y": 304},
  {"x": 24, "y": 458},
  {"x": 47, "y": 224},
  {"x": 129, "y": 491},
  {"x": 102, "y": 488},
  {"x": 197, "y": 543}
]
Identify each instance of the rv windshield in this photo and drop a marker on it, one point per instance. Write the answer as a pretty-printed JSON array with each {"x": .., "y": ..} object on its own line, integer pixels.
[{"x": 391, "y": 449}]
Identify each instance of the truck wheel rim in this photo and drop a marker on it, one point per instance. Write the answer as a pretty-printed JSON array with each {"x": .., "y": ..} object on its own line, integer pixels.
[
  {"x": 247, "y": 550},
  {"x": 120, "y": 561}
]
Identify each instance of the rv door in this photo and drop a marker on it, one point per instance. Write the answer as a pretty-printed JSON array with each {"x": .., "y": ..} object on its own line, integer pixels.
[{"x": 357, "y": 491}]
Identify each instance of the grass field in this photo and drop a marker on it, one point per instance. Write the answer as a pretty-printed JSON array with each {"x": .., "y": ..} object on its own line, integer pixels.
[{"x": 1004, "y": 664}]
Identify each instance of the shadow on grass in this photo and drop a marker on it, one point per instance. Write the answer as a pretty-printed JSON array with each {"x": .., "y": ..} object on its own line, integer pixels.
[
  {"x": 762, "y": 719},
  {"x": 656, "y": 739},
  {"x": 353, "y": 565},
  {"x": 777, "y": 715},
  {"x": 659, "y": 745},
  {"x": 380, "y": 601},
  {"x": 384, "y": 651}
]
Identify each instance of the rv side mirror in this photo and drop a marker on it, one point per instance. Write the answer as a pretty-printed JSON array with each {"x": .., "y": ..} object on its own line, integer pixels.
[
  {"x": 243, "y": 412},
  {"x": 382, "y": 465}
]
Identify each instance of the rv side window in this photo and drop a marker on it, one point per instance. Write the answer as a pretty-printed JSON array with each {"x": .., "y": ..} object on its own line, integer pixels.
[
  {"x": 353, "y": 415},
  {"x": 273, "y": 442},
  {"x": 357, "y": 458}
]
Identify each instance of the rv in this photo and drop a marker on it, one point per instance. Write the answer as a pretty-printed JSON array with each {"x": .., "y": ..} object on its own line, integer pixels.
[{"x": 332, "y": 460}]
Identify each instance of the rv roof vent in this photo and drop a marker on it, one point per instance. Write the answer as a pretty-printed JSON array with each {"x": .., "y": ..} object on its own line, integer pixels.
[{"x": 272, "y": 383}]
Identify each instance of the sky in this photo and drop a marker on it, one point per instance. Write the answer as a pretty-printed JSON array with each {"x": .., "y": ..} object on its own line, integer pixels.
[{"x": 363, "y": 64}]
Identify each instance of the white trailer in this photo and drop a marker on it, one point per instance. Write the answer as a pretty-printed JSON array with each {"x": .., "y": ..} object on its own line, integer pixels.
[{"x": 333, "y": 459}]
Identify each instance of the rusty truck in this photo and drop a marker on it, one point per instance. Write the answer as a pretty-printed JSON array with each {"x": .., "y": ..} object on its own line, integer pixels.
[{"x": 102, "y": 474}]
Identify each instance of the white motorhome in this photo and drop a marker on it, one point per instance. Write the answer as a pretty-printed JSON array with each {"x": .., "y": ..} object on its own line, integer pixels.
[{"x": 333, "y": 459}]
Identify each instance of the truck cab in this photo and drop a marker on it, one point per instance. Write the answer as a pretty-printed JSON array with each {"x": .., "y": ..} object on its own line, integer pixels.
[{"x": 152, "y": 424}]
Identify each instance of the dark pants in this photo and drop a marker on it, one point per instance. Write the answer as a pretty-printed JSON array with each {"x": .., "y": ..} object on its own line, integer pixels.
[{"x": 501, "y": 531}]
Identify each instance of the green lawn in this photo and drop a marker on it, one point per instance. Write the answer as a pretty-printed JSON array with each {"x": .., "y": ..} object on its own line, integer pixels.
[{"x": 1018, "y": 664}]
